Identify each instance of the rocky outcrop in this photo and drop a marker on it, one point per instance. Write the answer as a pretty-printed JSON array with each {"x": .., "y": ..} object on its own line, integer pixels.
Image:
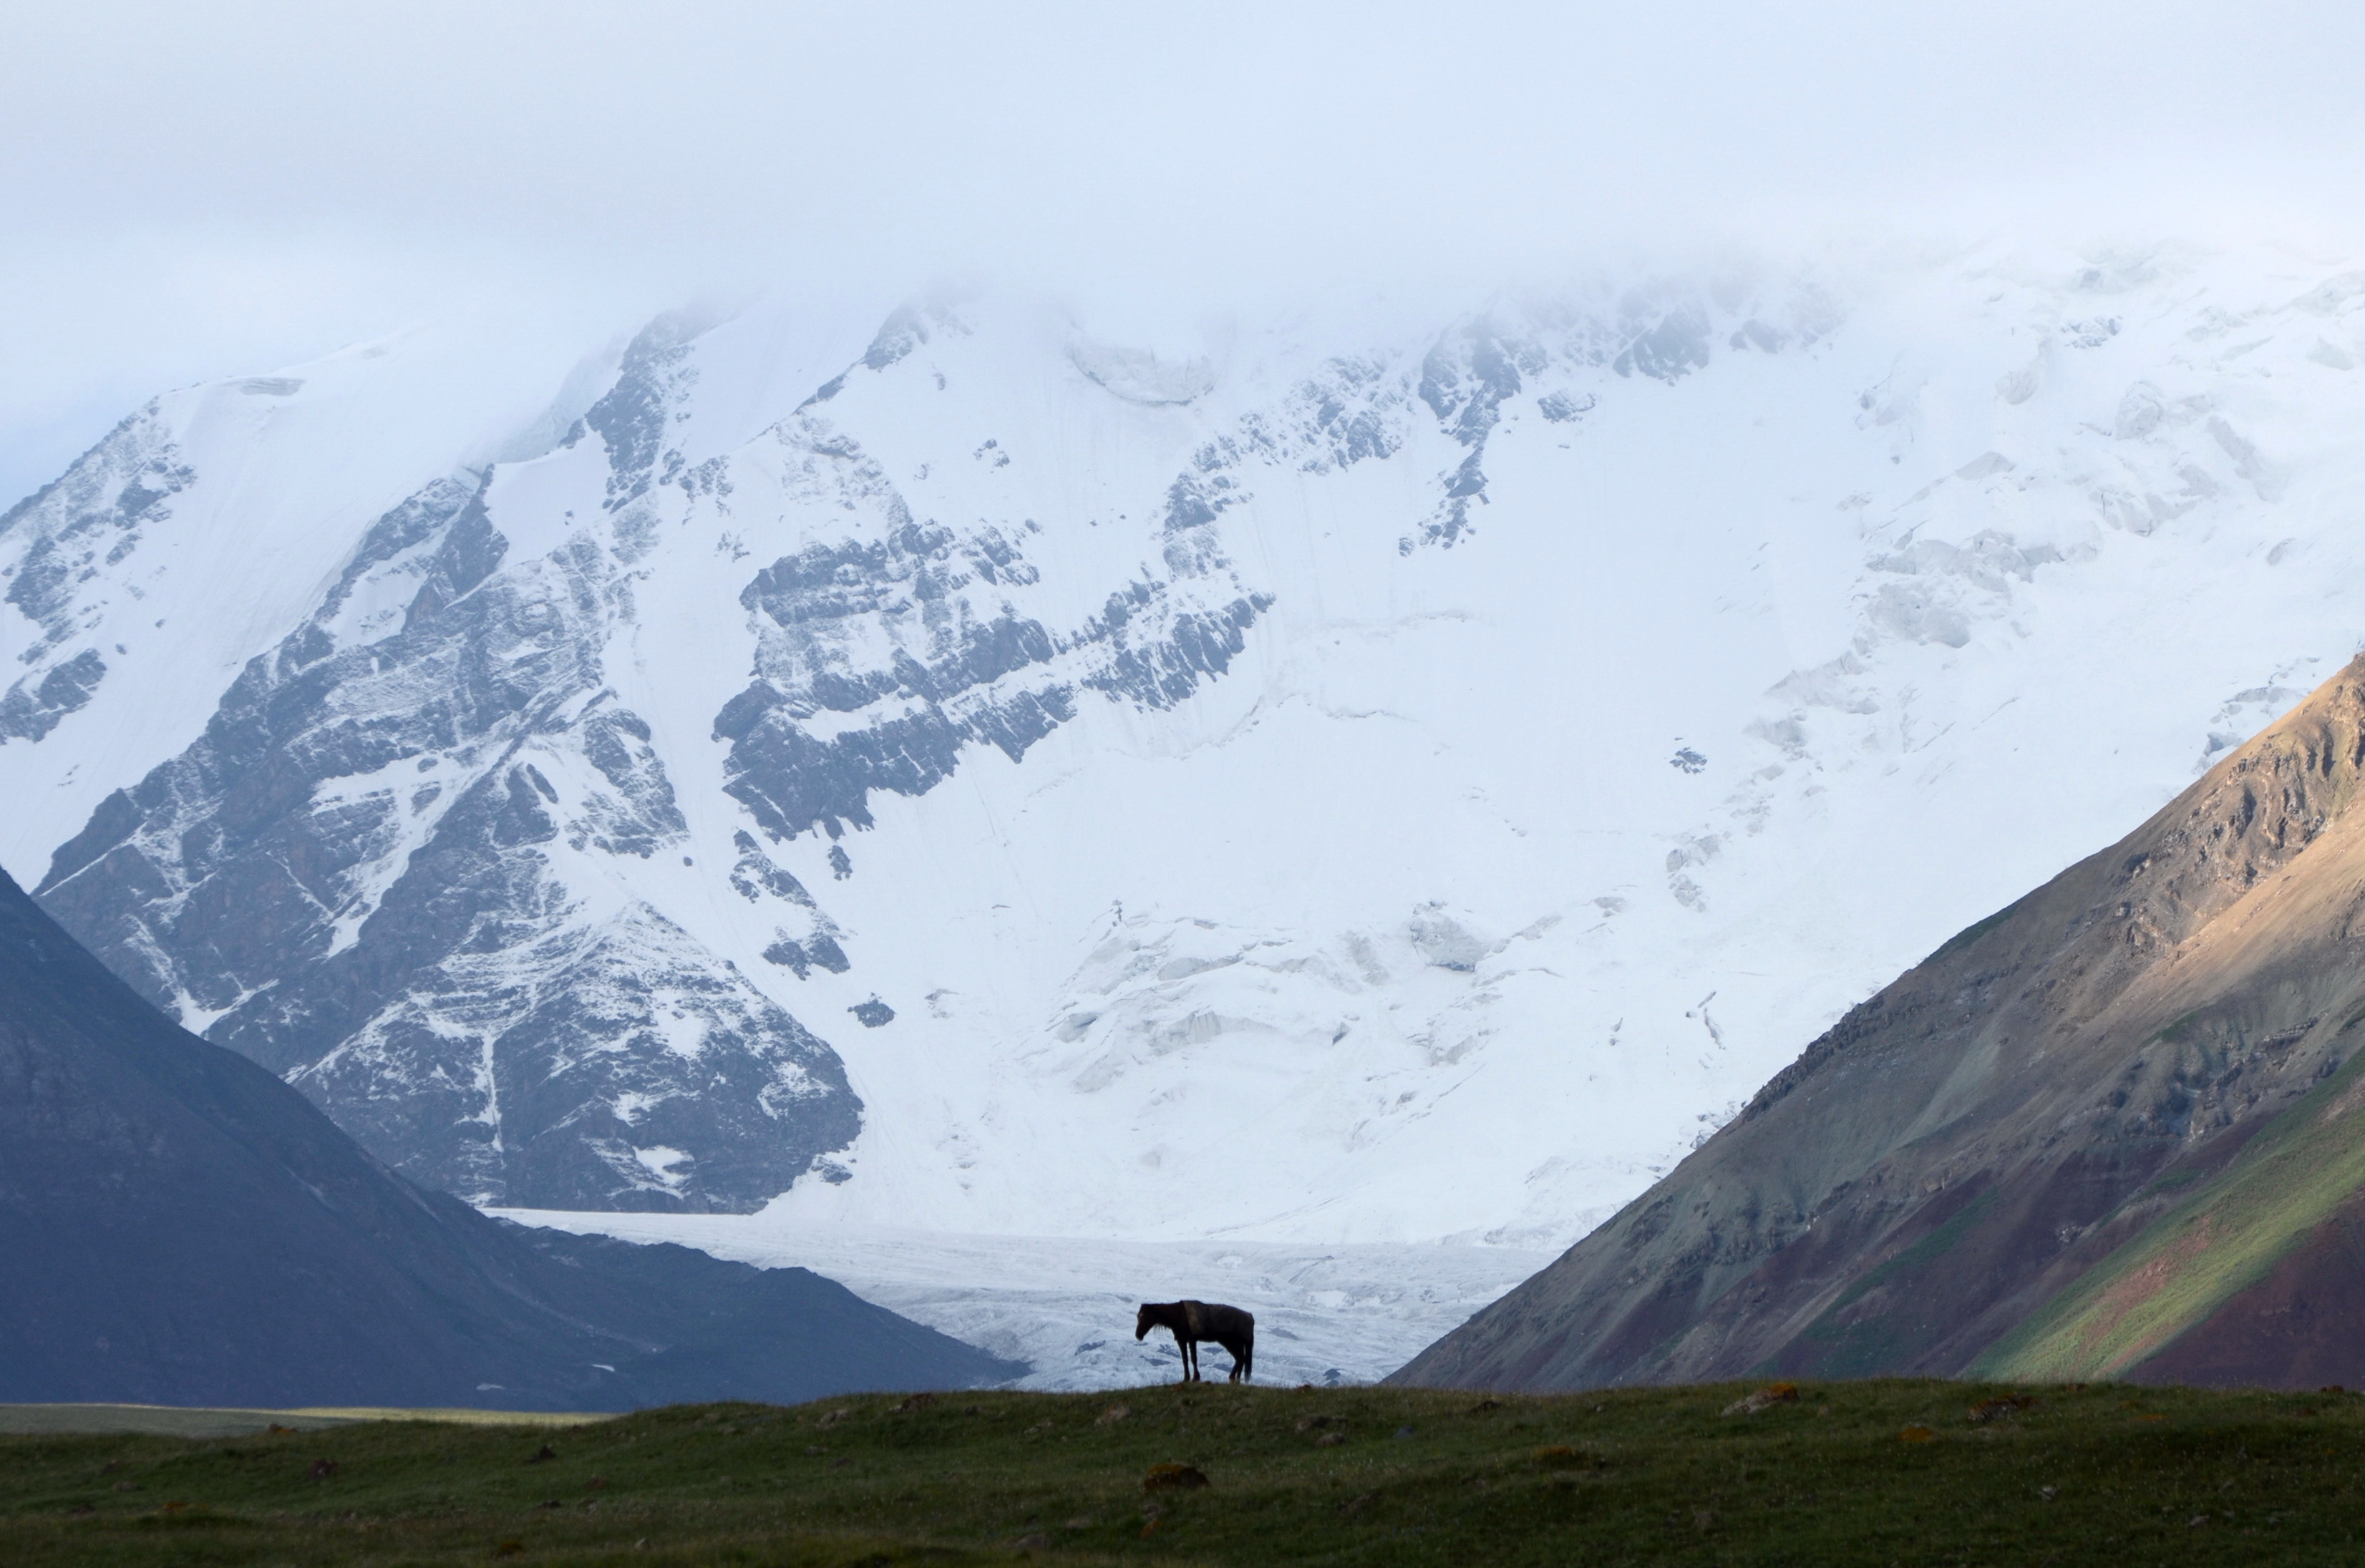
[{"x": 95, "y": 513}]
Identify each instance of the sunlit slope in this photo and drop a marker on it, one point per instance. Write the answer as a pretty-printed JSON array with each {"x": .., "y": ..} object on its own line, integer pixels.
[
  {"x": 2123, "y": 1096},
  {"x": 2180, "y": 1296}
]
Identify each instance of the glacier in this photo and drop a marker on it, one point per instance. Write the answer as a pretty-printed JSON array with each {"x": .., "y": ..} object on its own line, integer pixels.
[{"x": 1355, "y": 798}]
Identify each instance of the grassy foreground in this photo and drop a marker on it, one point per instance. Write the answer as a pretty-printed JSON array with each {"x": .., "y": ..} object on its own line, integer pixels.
[{"x": 1871, "y": 1472}]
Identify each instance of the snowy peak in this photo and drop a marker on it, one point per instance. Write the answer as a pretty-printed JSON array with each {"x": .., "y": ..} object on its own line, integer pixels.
[
  {"x": 839, "y": 762},
  {"x": 93, "y": 517}
]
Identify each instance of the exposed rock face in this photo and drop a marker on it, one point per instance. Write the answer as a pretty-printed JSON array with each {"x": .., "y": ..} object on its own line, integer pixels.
[
  {"x": 404, "y": 864},
  {"x": 2110, "y": 1131},
  {"x": 360, "y": 877},
  {"x": 182, "y": 1228},
  {"x": 97, "y": 513}
]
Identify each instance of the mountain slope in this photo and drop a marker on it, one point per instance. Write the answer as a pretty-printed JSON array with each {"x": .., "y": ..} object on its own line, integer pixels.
[
  {"x": 966, "y": 772},
  {"x": 2107, "y": 1132},
  {"x": 182, "y": 1228}
]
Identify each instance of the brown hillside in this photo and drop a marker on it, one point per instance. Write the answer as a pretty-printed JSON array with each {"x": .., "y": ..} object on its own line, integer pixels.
[{"x": 2006, "y": 1115}]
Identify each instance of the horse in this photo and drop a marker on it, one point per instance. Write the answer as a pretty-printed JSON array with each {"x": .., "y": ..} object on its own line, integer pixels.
[{"x": 1192, "y": 1321}]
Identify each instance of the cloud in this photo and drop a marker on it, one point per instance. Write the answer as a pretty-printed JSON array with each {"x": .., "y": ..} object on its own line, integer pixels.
[{"x": 203, "y": 189}]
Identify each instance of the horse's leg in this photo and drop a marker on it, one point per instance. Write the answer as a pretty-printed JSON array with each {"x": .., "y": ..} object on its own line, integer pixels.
[{"x": 1182, "y": 1348}]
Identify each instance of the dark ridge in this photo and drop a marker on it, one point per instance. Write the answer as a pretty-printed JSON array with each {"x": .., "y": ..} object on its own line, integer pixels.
[{"x": 182, "y": 1228}]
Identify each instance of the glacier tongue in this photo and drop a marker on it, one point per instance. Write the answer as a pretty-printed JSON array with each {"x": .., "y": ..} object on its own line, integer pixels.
[
  {"x": 1338, "y": 792},
  {"x": 1065, "y": 1306}
]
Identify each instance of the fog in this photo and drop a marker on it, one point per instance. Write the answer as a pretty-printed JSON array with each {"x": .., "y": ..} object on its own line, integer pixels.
[{"x": 196, "y": 190}]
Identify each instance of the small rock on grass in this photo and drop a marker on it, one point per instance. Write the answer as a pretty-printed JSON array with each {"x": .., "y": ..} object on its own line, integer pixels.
[
  {"x": 1773, "y": 1394},
  {"x": 1173, "y": 1478},
  {"x": 1112, "y": 1415},
  {"x": 1560, "y": 1456},
  {"x": 2003, "y": 1404}
]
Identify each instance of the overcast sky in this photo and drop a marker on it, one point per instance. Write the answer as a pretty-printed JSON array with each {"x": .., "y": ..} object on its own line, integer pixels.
[{"x": 204, "y": 187}]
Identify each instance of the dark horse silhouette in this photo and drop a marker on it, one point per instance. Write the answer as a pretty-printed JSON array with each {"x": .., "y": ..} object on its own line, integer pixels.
[{"x": 1192, "y": 1321}]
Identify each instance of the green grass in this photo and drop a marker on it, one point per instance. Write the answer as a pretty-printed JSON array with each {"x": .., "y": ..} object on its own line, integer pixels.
[
  {"x": 2106, "y": 1474},
  {"x": 2225, "y": 1237},
  {"x": 169, "y": 1420}
]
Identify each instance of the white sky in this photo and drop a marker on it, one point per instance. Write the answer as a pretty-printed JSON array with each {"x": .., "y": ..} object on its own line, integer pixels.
[{"x": 196, "y": 189}]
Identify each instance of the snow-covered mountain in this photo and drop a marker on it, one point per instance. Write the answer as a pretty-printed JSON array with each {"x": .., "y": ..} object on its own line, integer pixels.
[{"x": 1329, "y": 783}]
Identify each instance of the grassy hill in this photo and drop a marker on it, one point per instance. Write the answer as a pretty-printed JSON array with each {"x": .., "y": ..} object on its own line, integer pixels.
[{"x": 1848, "y": 1472}]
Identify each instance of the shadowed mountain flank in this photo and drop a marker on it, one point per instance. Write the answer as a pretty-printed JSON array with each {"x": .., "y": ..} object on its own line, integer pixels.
[
  {"x": 2110, "y": 1131},
  {"x": 182, "y": 1228}
]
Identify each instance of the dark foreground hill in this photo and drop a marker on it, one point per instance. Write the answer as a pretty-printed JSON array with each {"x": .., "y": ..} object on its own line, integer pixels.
[
  {"x": 2112, "y": 1130},
  {"x": 179, "y": 1227},
  {"x": 1860, "y": 1473}
]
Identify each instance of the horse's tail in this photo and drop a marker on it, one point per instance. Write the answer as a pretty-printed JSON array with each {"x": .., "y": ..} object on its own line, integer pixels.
[{"x": 1247, "y": 1351}]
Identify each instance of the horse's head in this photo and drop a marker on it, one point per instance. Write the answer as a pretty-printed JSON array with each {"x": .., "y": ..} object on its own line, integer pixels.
[{"x": 1143, "y": 1322}]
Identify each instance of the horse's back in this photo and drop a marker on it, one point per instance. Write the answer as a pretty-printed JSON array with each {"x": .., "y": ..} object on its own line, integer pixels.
[{"x": 1216, "y": 1321}]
